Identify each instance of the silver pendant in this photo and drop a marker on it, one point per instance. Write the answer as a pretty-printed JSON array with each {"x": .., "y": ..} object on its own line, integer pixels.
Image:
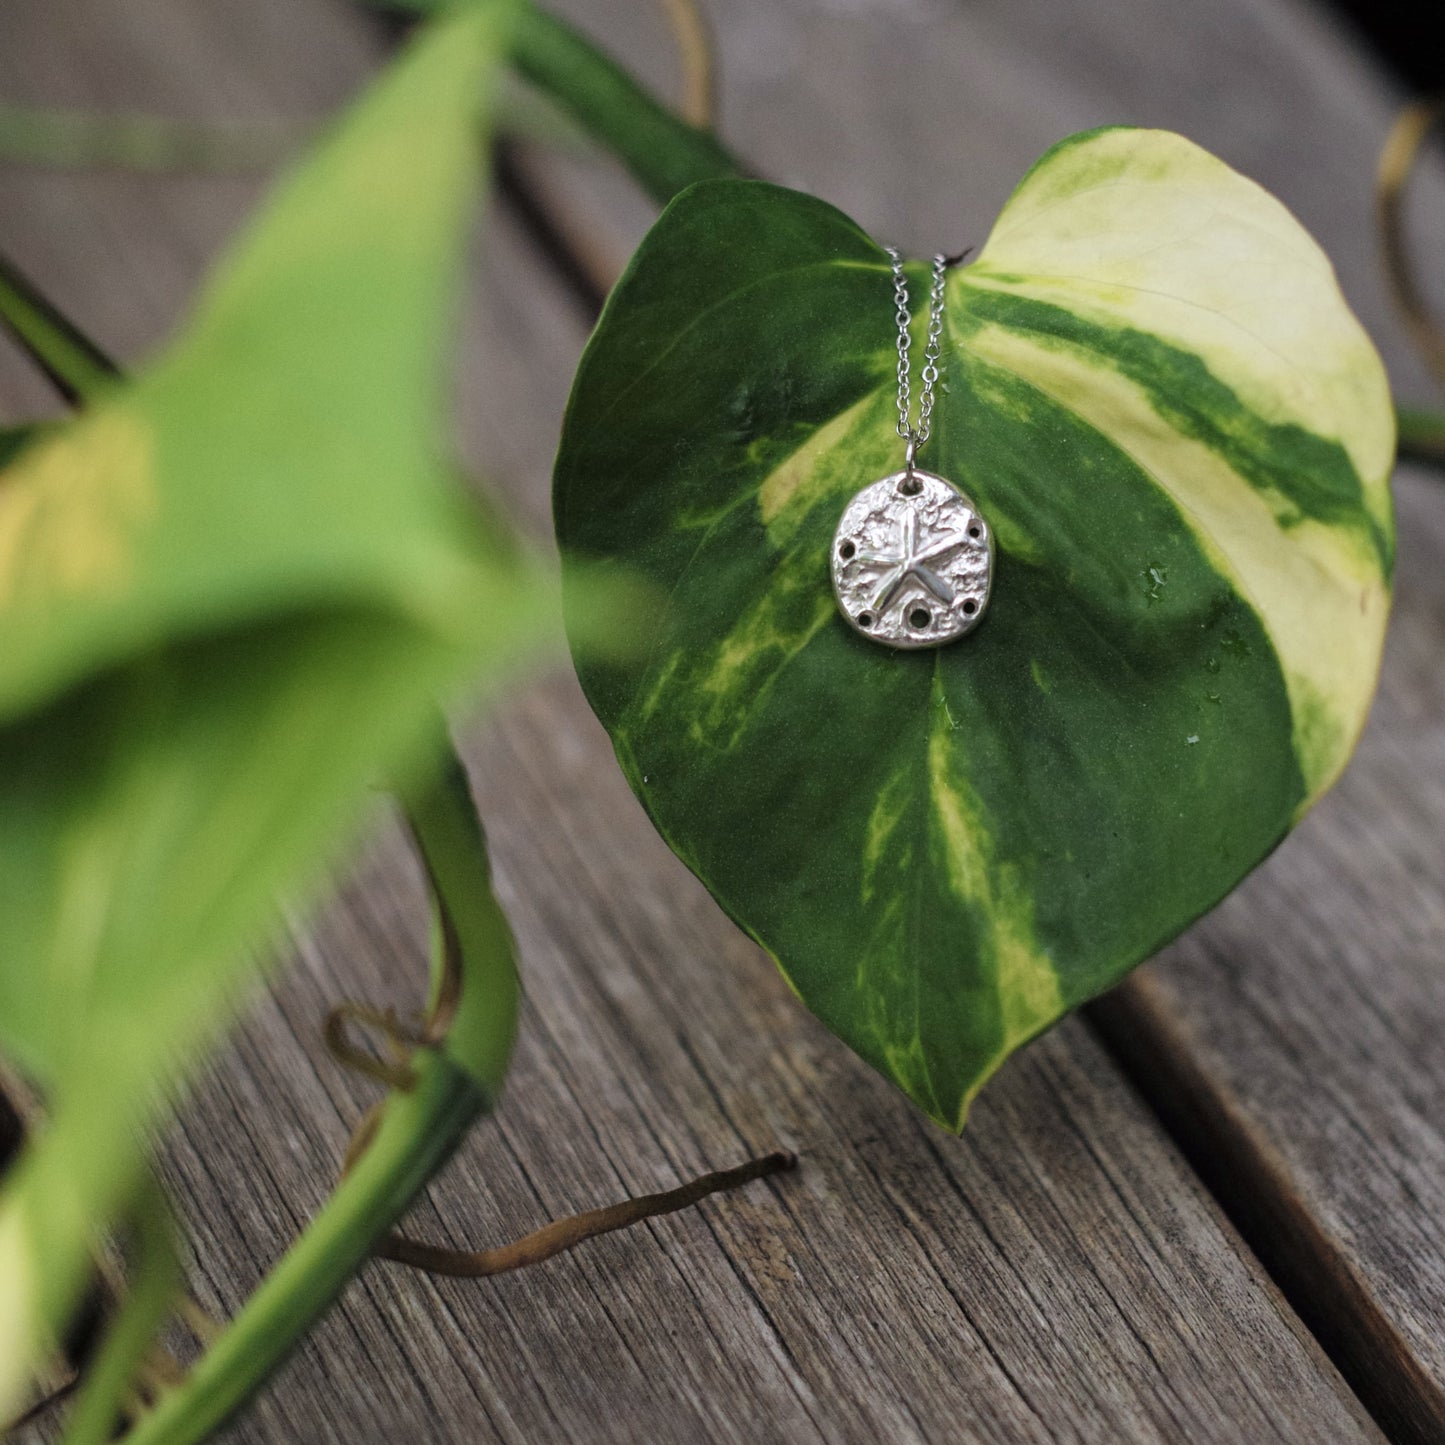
[{"x": 912, "y": 561}]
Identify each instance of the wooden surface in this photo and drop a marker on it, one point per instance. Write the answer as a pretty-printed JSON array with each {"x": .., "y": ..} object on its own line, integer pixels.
[{"x": 1062, "y": 1272}]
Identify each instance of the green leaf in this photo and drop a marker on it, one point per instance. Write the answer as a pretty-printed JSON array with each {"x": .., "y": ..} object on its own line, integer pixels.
[
  {"x": 231, "y": 596},
  {"x": 1155, "y": 393}
]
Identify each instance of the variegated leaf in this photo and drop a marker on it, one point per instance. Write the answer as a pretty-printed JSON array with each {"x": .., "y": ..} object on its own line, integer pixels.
[{"x": 1181, "y": 437}]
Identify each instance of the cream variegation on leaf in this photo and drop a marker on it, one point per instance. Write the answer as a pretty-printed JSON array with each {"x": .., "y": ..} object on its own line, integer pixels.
[{"x": 1181, "y": 437}]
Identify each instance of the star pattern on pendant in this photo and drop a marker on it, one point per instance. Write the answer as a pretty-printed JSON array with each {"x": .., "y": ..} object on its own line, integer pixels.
[{"x": 908, "y": 559}]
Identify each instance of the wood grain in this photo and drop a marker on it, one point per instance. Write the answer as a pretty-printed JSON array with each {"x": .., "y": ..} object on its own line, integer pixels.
[
  {"x": 1294, "y": 1042},
  {"x": 1059, "y": 1273},
  {"x": 1297, "y": 1037}
]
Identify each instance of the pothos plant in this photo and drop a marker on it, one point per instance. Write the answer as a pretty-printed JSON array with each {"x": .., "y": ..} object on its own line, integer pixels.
[{"x": 235, "y": 587}]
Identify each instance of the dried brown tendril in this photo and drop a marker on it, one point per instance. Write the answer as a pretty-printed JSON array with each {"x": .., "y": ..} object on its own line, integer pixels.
[
  {"x": 564, "y": 1234},
  {"x": 1398, "y": 162}
]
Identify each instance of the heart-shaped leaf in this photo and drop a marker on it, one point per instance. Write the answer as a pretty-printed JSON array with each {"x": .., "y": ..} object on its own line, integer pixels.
[{"x": 1155, "y": 393}]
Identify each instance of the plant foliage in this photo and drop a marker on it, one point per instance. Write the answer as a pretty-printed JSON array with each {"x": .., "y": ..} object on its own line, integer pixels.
[
  {"x": 231, "y": 594},
  {"x": 1181, "y": 437}
]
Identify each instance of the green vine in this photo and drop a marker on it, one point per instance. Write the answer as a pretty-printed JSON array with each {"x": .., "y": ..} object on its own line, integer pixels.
[
  {"x": 1422, "y": 435},
  {"x": 663, "y": 153},
  {"x": 417, "y": 1134},
  {"x": 76, "y": 366}
]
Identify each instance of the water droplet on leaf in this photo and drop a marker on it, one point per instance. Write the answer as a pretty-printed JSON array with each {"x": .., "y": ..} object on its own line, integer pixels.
[{"x": 1155, "y": 578}]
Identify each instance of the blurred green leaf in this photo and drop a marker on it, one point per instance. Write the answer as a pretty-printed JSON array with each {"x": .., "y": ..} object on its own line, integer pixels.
[{"x": 231, "y": 596}]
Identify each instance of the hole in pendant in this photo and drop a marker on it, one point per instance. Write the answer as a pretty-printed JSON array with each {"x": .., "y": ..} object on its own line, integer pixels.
[
  {"x": 846, "y": 551},
  {"x": 970, "y": 607},
  {"x": 865, "y": 619},
  {"x": 975, "y": 531},
  {"x": 920, "y": 617},
  {"x": 910, "y": 486}
]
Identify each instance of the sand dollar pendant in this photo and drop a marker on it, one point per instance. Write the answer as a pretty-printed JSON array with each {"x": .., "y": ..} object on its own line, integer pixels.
[
  {"x": 912, "y": 558},
  {"x": 912, "y": 561}
]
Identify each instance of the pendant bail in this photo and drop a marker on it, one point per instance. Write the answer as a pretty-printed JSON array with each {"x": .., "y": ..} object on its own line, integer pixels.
[{"x": 910, "y": 455}]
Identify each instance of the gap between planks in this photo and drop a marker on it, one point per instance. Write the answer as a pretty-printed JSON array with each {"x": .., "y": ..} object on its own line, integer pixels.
[{"x": 1133, "y": 1022}]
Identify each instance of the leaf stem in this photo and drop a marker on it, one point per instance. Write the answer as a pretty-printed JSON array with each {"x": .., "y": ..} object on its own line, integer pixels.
[
  {"x": 475, "y": 1000},
  {"x": 155, "y": 1282},
  {"x": 663, "y": 152},
  {"x": 417, "y": 1133},
  {"x": 475, "y": 994},
  {"x": 76, "y": 366},
  {"x": 1422, "y": 435}
]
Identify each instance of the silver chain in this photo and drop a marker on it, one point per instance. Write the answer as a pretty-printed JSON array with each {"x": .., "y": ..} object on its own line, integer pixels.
[{"x": 915, "y": 436}]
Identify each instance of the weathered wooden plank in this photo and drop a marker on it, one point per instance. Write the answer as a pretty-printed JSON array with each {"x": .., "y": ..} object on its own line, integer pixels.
[
  {"x": 1297, "y": 1035},
  {"x": 981, "y": 1280},
  {"x": 918, "y": 117},
  {"x": 1057, "y": 1273},
  {"x": 1294, "y": 1038}
]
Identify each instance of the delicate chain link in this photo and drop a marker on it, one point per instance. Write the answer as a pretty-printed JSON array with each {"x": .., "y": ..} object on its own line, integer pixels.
[{"x": 915, "y": 436}]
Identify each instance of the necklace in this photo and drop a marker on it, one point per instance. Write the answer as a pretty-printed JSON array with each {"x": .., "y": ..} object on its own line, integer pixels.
[{"x": 912, "y": 558}]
